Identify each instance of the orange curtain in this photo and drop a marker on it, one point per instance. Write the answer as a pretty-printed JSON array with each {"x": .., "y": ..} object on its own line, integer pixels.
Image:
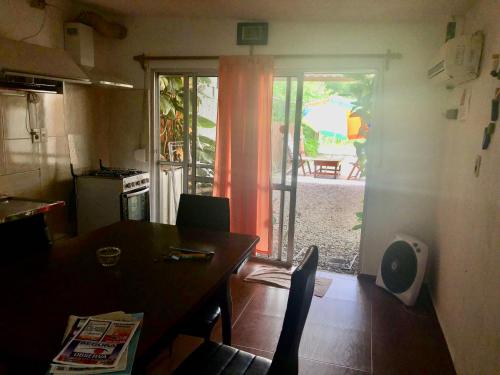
[{"x": 243, "y": 151}]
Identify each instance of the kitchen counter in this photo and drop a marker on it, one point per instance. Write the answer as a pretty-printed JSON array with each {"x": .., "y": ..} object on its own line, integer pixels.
[
  {"x": 12, "y": 208},
  {"x": 23, "y": 226}
]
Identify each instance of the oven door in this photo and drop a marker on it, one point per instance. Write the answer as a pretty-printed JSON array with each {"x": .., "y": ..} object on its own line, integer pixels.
[{"x": 135, "y": 205}]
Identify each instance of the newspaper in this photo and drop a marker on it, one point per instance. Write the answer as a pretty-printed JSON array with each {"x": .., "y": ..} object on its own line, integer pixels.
[
  {"x": 99, "y": 343},
  {"x": 126, "y": 362},
  {"x": 75, "y": 323}
]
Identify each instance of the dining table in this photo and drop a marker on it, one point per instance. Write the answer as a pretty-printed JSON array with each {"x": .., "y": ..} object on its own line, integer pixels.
[{"x": 40, "y": 288}]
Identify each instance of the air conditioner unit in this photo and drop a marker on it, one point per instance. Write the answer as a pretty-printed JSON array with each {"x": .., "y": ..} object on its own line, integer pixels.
[{"x": 457, "y": 60}]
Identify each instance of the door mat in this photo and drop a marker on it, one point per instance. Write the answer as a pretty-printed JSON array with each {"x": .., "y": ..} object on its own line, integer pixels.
[{"x": 281, "y": 278}]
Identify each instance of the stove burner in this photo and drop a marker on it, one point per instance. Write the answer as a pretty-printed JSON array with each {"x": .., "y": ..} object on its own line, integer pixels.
[{"x": 115, "y": 173}]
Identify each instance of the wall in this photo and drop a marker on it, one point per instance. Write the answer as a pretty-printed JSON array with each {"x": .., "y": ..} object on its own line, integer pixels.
[
  {"x": 43, "y": 170},
  {"x": 86, "y": 111},
  {"x": 466, "y": 278},
  {"x": 77, "y": 132},
  {"x": 125, "y": 127},
  {"x": 26, "y": 169},
  {"x": 35, "y": 170},
  {"x": 18, "y": 20},
  {"x": 402, "y": 181}
]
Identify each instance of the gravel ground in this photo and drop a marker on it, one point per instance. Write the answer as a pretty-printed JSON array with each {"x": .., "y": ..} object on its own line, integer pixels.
[{"x": 325, "y": 215}]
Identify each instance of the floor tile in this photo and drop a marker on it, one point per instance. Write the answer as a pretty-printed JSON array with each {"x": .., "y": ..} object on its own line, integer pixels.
[
  {"x": 341, "y": 347},
  {"x": 257, "y": 331},
  {"x": 269, "y": 301},
  {"x": 332, "y": 312},
  {"x": 357, "y": 328},
  {"x": 241, "y": 294},
  {"x": 308, "y": 367},
  {"x": 410, "y": 353},
  {"x": 260, "y": 353},
  {"x": 346, "y": 287},
  {"x": 168, "y": 361}
]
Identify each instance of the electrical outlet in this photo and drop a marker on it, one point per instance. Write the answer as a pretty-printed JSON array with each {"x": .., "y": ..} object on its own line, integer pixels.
[{"x": 36, "y": 135}]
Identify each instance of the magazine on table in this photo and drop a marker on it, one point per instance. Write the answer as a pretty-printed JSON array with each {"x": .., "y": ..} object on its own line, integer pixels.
[{"x": 100, "y": 344}]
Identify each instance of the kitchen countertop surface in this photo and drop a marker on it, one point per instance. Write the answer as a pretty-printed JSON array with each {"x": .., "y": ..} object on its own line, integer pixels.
[{"x": 12, "y": 208}]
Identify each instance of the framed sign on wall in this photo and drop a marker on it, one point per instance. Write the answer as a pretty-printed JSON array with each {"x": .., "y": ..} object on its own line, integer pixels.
[{"x": 252, "y": 33}]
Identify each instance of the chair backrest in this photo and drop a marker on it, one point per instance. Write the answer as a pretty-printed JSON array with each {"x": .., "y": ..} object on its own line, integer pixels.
[
  {"x": 286, "y": 357},
  {"x": 198, "y": 211}
]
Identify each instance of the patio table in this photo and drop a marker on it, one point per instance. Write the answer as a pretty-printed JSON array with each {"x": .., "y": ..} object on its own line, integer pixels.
[{"x": 327, "y": 167}]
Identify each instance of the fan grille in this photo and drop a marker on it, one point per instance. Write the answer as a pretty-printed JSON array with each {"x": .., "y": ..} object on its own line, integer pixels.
[{"x": 399, "y": 267}]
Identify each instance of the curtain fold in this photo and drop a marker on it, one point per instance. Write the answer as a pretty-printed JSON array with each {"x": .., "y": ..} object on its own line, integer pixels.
[{"x": 243, "y": 150}]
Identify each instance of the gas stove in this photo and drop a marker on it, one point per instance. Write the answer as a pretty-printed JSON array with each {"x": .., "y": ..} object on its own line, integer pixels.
[
  {"x": 131, "y": 179},
  {"x": 115, "y": 173},
  {"x": 107, "y": 195}
]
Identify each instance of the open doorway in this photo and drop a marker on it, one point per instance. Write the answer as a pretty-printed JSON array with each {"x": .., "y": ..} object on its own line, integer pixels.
[{"x": 320, "y": 129}]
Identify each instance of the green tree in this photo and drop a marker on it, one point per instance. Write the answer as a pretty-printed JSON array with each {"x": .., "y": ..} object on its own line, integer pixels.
[{"x": 172, "y": 118}]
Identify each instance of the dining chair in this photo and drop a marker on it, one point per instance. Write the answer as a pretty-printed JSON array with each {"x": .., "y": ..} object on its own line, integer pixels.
[
  {"x": 204, "y": 212},
  {"x": 214, "y": 358}
]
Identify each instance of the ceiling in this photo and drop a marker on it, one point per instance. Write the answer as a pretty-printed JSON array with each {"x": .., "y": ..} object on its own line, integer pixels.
[{"x": 292, "y": 10}]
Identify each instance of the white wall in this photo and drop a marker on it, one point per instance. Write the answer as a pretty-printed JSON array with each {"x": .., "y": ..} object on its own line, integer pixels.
[
  {"x": 466, "y": 279},
  {"x": 42, "y": 170},
  {"x": 26, "y": 169},
  {"x": 402, "y": 180},
  {"x": 18, "y": 20}
]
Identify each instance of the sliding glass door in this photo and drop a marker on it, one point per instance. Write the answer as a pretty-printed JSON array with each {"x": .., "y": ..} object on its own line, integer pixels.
[
  {"x": 186, "y": 135},
  {"x": 185, "y": 139},
  {"x": 285, "y": 131}
]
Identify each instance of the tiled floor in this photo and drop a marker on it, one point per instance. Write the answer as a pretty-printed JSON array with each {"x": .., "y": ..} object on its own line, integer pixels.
[{"x": 356, "y": 328}]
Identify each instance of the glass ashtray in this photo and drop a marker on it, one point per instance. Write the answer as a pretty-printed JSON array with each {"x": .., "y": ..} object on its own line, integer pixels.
[{"x": 108, "y": 256}]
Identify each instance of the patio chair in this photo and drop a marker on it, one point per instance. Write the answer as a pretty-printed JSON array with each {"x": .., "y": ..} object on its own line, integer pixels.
[
  {"x": 303, "y": 159},
  {"x": 355, "y": 172}
]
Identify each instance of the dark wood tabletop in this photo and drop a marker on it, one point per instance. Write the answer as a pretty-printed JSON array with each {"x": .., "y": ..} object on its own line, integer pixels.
[{"x": 40, "y": 290}]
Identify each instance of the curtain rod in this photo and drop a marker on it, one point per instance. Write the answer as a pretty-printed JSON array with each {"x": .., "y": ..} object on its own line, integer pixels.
[{"x": 389, "y": 55}]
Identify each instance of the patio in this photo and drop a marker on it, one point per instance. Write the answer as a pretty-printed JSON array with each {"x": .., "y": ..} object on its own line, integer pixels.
[{"x": 325, "y": 216}]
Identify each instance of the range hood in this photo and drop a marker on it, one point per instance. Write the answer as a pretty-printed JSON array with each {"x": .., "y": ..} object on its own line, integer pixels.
[
  {"x": 32, "y": 67},
  {"x": 28, "y": 66},
  {"x": 79, "y": 43},
  {"x": 101, "y": 78}
]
